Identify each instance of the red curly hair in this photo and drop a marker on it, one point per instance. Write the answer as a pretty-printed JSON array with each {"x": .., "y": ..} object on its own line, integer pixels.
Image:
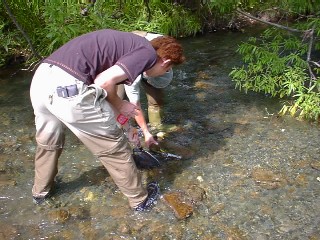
[{"x": 168, "y": 48}]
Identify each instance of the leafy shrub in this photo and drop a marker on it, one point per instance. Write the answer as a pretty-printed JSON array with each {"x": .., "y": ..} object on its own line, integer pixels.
[{"x": 278, "y": 64}]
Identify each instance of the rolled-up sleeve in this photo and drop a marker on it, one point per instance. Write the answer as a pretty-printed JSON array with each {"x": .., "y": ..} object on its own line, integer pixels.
[{"x": 133, "y": 91}]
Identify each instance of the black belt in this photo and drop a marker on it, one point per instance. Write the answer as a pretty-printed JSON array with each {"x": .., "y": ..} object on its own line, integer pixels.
[{"x": 67, "y": 91}]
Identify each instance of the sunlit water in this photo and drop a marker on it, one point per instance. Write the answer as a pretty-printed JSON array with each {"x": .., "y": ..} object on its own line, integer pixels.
[{"x": 260, "y": 172}]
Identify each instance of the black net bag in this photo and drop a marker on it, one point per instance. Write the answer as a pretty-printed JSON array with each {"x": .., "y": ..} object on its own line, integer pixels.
[{"x": 144, "y": 159}]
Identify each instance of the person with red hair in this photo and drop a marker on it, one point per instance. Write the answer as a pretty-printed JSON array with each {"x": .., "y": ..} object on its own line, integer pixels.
[
  {"x": 154, "y": 88},
  {"x": 76, "y": 87}
]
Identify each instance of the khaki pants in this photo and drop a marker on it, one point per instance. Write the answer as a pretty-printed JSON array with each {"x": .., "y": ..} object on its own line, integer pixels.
[{"x": 91, "y": 118}]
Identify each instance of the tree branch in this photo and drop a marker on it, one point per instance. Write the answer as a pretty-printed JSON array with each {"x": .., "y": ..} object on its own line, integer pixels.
[
  {"x": 146, "y": 2},
  {"x": 311, "y": 37},
  {"x": 25, "y": 35},
  {"x": 269, "y": 23},
  {"x": 306, "y": 34}
]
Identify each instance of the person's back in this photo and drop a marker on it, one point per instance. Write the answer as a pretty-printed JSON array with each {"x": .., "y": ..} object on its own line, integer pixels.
[
  {"x": 88, "y": 55},
  {"x": 76, "y": 87}
]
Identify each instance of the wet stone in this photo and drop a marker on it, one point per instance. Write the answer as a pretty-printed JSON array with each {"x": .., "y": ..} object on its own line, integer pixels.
[
  {"x": 124, "y": 228},
  {"x": 177, "y": 148},
  {"x": 175, "y": 200},
  {"x": 59, "y": 216},
  {"x": 87, "y": 231},
  {"x": 79, "y": 212},
  {"x": 315, "y": 165},
  {"x": 6, "y": 180},
  {"x": 7, "y": 231},
  {"x": 119, "y": 211},
  {"x": 215, "y": 209},
  {"x": 267, "y": 179},
  {"x": 196, "y": 193},
  {"x": 301, "y": 180}
]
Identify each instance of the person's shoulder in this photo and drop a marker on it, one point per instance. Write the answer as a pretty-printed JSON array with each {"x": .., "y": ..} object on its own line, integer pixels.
[
  {"x": 110, "y": 32},
  {"x": 140, "y": 33},
  {"x": 147, "y": 35},
  {"x": 151, "y": 36}
]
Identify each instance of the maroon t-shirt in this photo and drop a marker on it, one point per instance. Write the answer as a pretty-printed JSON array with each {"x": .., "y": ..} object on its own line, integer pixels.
[{"x": 86, "y": 56}]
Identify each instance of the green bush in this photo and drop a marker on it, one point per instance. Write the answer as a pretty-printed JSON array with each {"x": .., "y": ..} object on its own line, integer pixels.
[
  {"x": 278, "y": 64},
  {"x": 49, "y": 24}
]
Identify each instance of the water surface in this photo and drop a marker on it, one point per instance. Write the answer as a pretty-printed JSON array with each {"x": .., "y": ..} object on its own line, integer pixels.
[{"x": 248, "y": 173}]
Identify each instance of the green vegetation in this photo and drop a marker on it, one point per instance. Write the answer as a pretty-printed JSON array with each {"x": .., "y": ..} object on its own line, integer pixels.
[
  {"x": 284, "y": 62},
  {"x": 49, "y": 24},
  {"x": 33, "y": 27}
]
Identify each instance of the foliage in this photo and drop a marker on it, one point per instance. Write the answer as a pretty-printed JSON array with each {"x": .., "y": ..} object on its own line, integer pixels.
[
  {"x": 9, "y": 43},
  {"x": 51, "y": 23},
  {"x": 176, "y": 21},
  {"x": 61, "y": 24},
  {"x": 277, "y": 64}
]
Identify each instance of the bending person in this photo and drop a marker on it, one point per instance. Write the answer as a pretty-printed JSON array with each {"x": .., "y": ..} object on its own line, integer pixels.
[
  {"x": 154, "y": 89},
  {"x": 70, "y": 89}
]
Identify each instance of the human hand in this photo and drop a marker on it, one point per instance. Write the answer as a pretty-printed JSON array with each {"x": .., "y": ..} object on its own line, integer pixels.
[
  {"x": 149, "y": 140},
  {"x": 128, "y": 109}
]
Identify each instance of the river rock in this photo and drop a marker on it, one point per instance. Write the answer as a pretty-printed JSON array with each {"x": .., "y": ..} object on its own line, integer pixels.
[
  {"x": 267, "y": 179},
  {"x": 5, "y": 180},
  {"x": 8, "y": 231},
  {"x": 176, "y": 148},
  {"x": 196, "y": 193},
  {"x": 176, "y": 201},
  {"x": 59, "y": 216},
  {"x": 79, "y": 212},
  {"x": 315, "y": 165}
]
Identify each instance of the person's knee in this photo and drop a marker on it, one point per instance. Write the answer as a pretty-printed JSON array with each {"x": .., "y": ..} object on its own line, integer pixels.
[{"x": 50, "y": 141}]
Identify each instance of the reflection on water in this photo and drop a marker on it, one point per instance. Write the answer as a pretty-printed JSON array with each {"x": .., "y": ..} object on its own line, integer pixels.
[{"x": 246, "y": 173}]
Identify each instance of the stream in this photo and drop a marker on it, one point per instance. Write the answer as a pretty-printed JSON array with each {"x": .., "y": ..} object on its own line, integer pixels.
[{"x": 245, "y": 172}]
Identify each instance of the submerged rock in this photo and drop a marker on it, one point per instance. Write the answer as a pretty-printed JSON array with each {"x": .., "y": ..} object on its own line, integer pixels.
[
  {"x": 59, "y": 216},
  {"x": 196, "y": 193},
  {"x": 8, "y": 231},
  {"x": 175, "y": 200},
  {"x": 315, "y": 165},
  {"x": 267, "y": 179},
  {"x": 5, "y": 180}
]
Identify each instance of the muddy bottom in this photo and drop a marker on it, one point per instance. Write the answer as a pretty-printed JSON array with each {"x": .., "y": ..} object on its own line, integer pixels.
[{"x": 245, "y": 172}]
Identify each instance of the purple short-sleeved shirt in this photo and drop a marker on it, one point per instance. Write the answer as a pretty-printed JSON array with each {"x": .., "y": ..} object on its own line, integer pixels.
[{"x": 86, "y": 56}]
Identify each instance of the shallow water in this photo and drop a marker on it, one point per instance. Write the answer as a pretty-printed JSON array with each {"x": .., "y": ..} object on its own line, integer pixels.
[{"x": 260, "y": 172}]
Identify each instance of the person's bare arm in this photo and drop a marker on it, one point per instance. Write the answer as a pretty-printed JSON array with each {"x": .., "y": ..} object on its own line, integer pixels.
[
  {"x": 148, "y": 138},
  {"x": 108, "y": 80}
]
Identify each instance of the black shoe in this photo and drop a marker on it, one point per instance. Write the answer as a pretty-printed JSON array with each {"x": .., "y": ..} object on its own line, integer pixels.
[
  {"x": 40, "y": 200},
  {"x": 153, "y": 194}
]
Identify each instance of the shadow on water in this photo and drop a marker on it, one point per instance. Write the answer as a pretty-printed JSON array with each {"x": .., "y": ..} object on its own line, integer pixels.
[
  {"x": 249, "y": 173},
  {"x": 93, "y": 177}
]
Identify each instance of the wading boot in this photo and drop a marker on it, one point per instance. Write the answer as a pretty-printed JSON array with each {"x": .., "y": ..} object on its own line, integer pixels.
[
  {"x": 155, "y": 116},
  {"x": 153, "y": 194}
]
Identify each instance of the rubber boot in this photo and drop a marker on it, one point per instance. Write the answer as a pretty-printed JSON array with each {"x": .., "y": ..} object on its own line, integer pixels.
[{"x": 154, "y": 114}]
